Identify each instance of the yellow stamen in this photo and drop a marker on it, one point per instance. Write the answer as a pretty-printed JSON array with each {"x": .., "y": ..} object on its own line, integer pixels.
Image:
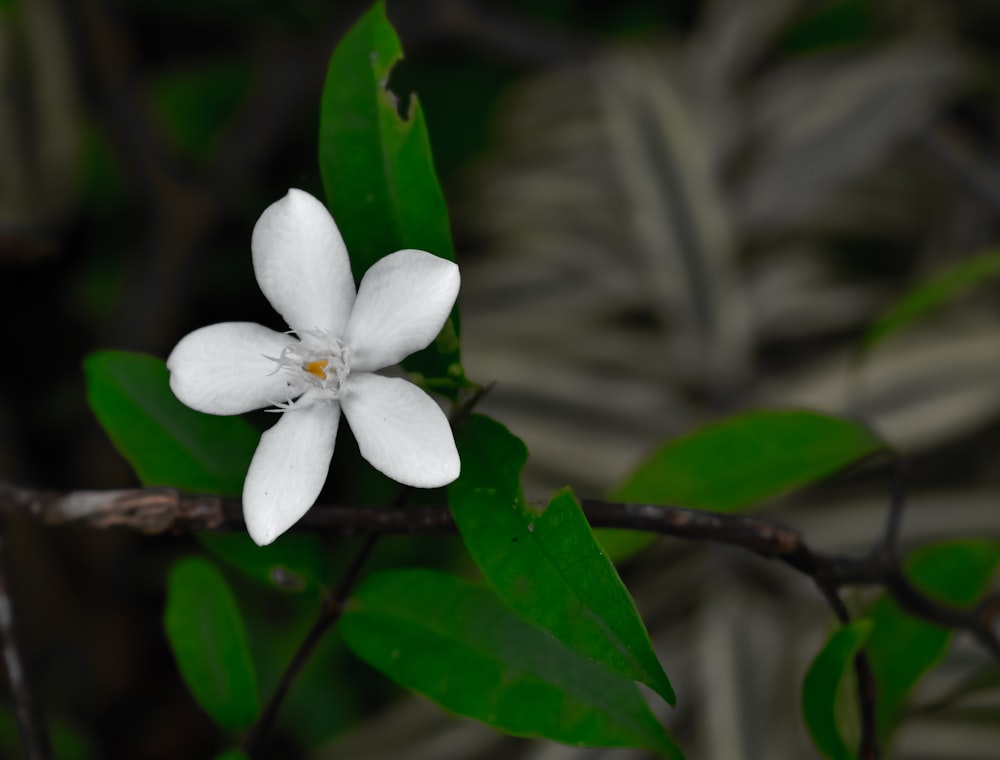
[{"x": 317, "y": 368}]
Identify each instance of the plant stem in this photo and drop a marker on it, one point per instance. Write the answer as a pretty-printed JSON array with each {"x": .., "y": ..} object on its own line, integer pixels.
[{"x": 329, "y": 614}]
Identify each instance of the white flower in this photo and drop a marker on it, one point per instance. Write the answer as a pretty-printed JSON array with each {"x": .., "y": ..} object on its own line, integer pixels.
[{"x": 340, "y": 339}]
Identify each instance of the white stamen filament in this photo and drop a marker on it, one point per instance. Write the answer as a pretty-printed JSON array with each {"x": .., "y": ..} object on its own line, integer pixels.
[{"x": 319, "y": 361}]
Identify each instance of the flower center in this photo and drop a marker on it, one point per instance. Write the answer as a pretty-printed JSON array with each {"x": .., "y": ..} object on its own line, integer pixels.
[
  {"x": 320, "y": 359},
  {"x": 317, "y": 368}
]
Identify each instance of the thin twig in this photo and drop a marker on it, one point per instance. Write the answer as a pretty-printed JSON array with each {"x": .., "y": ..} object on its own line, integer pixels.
[
  {"x": 30, "y": 726},
  {"x": 867, "y": 699},
  {"x": 333, "y": 604},
  {"x": 329, "y": 614},
  {"x": 889, "y": 545}
]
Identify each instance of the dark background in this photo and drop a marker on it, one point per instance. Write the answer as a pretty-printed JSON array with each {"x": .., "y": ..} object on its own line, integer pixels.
[{"x": 139, "y": 141}]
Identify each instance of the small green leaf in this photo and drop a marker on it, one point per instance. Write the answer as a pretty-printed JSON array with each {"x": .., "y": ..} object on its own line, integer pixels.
[
  {"x": 545, "y": 563},
  {"x": 166, "y": 443},
  {"x": 933, "y": 294},
  {"x": 292, "y": 563},
  {"x": 902, "y": 648},
  {"x": 209, "y": 641},
  {"x": 734, "y": 464},
  {"x": 232, "y": 754},
  {"x": 827, "y": 25},
  {"x": 823, "y": 681},
  {"x": 379, "y": 175},
  {"x": 458, "y": 645},
  {"x": 67, "y": 740}
]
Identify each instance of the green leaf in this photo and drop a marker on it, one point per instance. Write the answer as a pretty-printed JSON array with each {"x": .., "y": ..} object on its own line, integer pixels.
[
  {"x": 67, "y": 740},
  {"x": 232, "y": 754},
  {"x": 823, "y": 681},
  {"x": 933, "y": 294},
  {"x": 206, "y": 632},
  {"x": 830, "y": 25},
  {"x": 736, "y": 463},
  {"x": 902, "y": 648},
  {"x": 379, "y": 176},
  {"x": 292, "y": 563},
  {"x": 166, "y": 443},
  {"x": 545, "y": 563},
  {"x": 457, "y": 644}
]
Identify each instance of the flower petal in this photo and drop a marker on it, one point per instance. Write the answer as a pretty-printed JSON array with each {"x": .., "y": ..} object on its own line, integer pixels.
[
  {"x": 288, "y": 470},
  {"x": 400, "y": 430},
  {"x": 302, "y": 265},
  {"x": 403, "y": 302},
  {"x": 224, "y": 369}
]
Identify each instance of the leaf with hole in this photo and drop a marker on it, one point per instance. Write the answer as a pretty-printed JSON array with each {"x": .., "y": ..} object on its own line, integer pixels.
[{"x": 379, "y": 176}]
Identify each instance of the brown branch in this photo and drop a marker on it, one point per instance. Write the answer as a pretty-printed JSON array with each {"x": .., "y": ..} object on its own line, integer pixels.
[
  {"x": 166, "y": 510},
  {"x": 145, "y": 510},
  {"x": 30, "y": 726},
  {"x": 163, "y": 510}
]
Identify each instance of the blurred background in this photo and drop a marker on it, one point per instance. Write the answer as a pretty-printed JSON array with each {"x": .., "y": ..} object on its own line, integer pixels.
[{"x": 665, "y": 211}]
